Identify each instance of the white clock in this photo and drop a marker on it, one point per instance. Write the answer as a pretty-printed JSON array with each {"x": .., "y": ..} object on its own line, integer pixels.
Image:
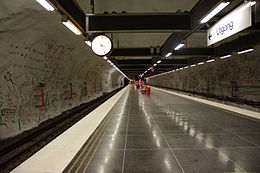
[{"x": 101, "y": 45}]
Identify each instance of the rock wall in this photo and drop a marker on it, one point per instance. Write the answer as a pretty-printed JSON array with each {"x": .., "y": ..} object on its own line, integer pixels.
[
  {"x": 235, "y": 77},
  {"x": 45, "y": 69}
]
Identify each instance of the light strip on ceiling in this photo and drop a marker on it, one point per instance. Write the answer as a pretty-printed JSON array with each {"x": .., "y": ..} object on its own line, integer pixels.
[
  {"x": 179, "y": 46},
  {"x": 46, "y": 5},
  {"x": 116, "y": 68},
  {"x": 168, "y": 54},
  {"x": 245, "y": 51},
  {"x": 252, "y": 3},
  {"x": 211, "y": 60},
  {"x": 88, "y": 42},
  {"x": 216, "y": 10},
  {"x": 225, "y": 56},
  {"x": 72, "y": 27}
]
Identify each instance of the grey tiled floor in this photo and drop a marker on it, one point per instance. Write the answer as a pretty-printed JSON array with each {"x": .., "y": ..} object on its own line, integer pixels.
[{"x": 164, "y": 133}]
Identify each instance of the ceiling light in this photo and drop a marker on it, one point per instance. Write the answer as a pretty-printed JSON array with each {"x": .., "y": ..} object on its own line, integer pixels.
[
  {"x": 155, "y": 65},
  {"x": 179, "y": 46},
  {"x": 88, "y": 42},
  {"x": 72, "y": 27},
  {"x": 108, "y": 61},
  {"x": 245, "y": 51},
  {"x": 220, "y": 7},
  {"x": 168, "y": 54},
  {"x": 211, "y": 60},
  {"x": 200, "y": 63},
  {"x": 181, "y": 68},
  {"x": 46, "y": 5},
  {"x": 105, "y": 57},
  {"x": 158, "y": 62},
  {"x": 225, "y": 56},
  {"x": 186, "y": 67},
  {"x": 253, "y": 3},
  {"x": 193, "y": 65}
]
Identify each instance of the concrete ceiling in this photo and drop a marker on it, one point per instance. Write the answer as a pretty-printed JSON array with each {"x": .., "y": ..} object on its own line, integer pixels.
[
  {"x": 151, "y": 39},
  {"x": 137, "y": 6},
  {"x": 125, "y": 40}
]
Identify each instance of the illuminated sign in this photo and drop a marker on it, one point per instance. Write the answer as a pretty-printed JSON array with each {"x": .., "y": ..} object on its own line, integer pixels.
[{"x": 234, "y": 22}]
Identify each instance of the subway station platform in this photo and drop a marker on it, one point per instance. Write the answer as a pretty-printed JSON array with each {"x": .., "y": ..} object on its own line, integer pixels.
[{"x": 160, "y": 133}]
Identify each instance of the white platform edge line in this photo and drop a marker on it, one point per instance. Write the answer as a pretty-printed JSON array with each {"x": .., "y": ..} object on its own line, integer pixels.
[
  {"x": 40, "y": 162},
  {"x": 245, "y": 112}
]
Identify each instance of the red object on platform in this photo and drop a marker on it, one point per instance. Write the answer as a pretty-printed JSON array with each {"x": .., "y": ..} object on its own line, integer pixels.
[{"x": 148, "y": 90}]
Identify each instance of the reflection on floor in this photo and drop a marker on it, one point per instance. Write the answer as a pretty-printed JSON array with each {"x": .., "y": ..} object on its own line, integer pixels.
[{"x": 163, "y": 133}]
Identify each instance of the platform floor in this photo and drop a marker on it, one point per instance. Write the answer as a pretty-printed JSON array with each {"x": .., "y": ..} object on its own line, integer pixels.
[{"x": 164, "y": 133}]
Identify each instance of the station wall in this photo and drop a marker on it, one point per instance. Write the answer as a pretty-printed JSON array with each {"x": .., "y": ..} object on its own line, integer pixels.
[
  {"x": 236, "y": 77},
  {"x": 45, "y": 69}
]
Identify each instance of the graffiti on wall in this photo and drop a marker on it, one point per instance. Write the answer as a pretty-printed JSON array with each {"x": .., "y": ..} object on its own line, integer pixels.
[
  {"x": 234, "y": 77},
  {"x": 41, "y": 80}
]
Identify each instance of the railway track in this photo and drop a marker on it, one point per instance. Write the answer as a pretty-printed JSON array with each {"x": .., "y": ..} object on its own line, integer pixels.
[{"x": 16, "y": 150}]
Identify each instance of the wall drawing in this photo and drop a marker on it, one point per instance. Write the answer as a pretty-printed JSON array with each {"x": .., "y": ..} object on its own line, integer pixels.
[
  {"x": 234, "y": 77},
  {"x": 41, "y": 81}
]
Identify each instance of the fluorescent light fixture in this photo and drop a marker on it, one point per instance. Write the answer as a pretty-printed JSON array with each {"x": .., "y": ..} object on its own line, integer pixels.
[
  {"x": 200, "y": 63},
  {"x": 158, "y": 62},
  {"x": 225, "y": 56},
  {"x": 220, "y": 7},
  {"x": 112, "y": 64},
  {"x": 186, "y": 67},
  {"x": 72, "y": 27},
  {"x": 108, "y": 61},
  {"x": 122, "y": 73},
  {"x": 245, "y": 51},
  {"x": 181, "y": 68},
  {"x": 155, "y": 65},
  {"x": 177, "y": 69},
  {"x": 193, "y": 65},
  {"x": 211, "y": 60},
  {"x": 168, "y": 54},
  {"x": 46, "y": 5},
  {"x": 252, "y": 3},
  {"x": 105, "y": 57},
  {"x": 88, "y": 42},
  {"x": 179, "y": 46}
]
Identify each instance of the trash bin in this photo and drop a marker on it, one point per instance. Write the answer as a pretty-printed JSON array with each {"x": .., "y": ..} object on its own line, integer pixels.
[{"x": 148, "y": 90}]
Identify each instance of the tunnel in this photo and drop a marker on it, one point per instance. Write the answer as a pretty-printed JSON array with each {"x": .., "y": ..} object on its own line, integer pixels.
[{"x": 130, "y": 86}]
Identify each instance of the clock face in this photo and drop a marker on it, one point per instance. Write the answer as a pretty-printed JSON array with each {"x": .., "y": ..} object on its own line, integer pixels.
[{"x": 101, "y": 45}]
